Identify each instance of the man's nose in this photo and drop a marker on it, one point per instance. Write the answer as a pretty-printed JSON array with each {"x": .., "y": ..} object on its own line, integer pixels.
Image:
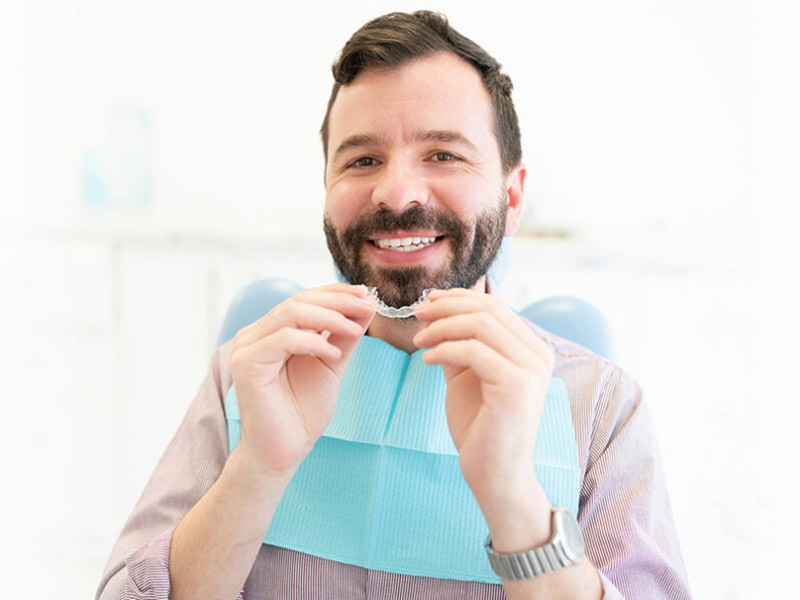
[{"x": 400, "y": 186}]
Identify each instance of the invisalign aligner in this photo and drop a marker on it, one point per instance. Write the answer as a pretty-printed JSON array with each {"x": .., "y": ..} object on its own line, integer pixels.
[{"x": 397, "y": 313}]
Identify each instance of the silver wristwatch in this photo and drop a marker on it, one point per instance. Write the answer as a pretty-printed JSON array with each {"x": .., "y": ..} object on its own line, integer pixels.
[{"x": 564, "y": 549}]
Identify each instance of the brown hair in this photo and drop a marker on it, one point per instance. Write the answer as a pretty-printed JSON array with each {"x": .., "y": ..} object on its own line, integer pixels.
[{"x": 398, "y": 38}]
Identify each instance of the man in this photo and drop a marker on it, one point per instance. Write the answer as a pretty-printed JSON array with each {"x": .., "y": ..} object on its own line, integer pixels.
[{"x": 423, "y": 178}]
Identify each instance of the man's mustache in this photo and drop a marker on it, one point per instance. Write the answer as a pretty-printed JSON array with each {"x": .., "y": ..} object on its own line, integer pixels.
[{"x": 384, "y": 221}]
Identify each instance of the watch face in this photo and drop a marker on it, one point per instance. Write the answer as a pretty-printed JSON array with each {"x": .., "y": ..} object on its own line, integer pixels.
[{"x": 573, "y": 538}]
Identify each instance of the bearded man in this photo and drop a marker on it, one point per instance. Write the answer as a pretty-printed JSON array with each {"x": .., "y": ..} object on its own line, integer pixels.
[{"x": 297, "y": 475}]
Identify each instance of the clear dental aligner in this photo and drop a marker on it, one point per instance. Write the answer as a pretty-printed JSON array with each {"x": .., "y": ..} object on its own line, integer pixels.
[{"x": 397, "y": 313}]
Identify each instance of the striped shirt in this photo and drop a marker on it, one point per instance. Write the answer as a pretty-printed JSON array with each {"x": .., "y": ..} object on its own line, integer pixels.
[{"x": 624, "y": 510}]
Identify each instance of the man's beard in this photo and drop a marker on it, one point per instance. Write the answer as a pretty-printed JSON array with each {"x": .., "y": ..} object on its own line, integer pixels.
[{"x": 474, "y": 248}]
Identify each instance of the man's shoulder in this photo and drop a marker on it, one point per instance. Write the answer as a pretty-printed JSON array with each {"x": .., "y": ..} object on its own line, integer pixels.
[
  {"x": 601, "y": 394},
  {"x": 592, "y": 380},
  {"x": 566, "y": 351}
]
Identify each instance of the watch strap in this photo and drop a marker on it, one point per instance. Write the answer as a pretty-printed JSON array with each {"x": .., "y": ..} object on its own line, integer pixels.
[{"x": 531, "y": 563}]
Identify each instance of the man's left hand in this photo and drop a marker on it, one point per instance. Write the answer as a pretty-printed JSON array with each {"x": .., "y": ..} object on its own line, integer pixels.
[{"x": 497, "y": 372}]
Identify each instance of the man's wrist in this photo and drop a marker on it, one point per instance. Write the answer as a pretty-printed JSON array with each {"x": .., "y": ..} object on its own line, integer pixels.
[
  {"x": 519, "y": 517},
  {"x": 246, "y": 472}
]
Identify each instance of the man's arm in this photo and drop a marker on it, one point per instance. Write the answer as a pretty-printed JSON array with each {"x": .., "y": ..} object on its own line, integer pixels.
[
  {"x": 522, "y": 522},
  {"x": 287, "y": 376},
  {"x": 215, "y": 544},
  {"x": 497, "y": 373},
  {"x": 287, "y": 368},
  {"x": 226, "y": 512},
  {"x": 625, "y": 512},
  {"x": 138, "y": 564},
  {"x": 496, "y": 386}
]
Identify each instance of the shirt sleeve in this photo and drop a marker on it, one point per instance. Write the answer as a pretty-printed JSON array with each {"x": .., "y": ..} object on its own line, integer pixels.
[
  {"x": 624, "y": 511},
  {"x": 138, "y": 567}
]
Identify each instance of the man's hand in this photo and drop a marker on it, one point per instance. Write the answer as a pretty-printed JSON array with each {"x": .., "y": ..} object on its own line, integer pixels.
[
  {"x": 287, "y": 372},
  {"x": 497, "y": 372}
]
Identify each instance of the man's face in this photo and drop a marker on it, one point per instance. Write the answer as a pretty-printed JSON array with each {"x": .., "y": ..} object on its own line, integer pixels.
[{"x": 416, "y": 197}]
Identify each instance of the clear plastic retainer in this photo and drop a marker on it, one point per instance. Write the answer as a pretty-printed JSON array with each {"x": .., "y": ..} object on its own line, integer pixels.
[{"x": 397, "y": 313}]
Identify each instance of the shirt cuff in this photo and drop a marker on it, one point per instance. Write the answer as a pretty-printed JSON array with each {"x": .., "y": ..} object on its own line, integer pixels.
[{"x": 148, "y": 570}]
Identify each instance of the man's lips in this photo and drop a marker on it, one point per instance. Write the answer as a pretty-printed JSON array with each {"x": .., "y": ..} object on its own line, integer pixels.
[
  {"x": 405, "y": 241},
  {"x": 405, "y": 244},
  {"x": 405, "y": 234},
  {"x": 397, "y": 251}
]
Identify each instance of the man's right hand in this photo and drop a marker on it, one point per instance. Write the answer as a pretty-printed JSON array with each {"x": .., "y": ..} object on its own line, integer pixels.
[{"x": 287, "y": 372}]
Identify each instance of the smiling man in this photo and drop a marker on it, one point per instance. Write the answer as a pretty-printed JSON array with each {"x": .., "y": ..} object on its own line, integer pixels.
[
  {"x": 339, "y": 453},
  {"x": 417, "y": 192}
]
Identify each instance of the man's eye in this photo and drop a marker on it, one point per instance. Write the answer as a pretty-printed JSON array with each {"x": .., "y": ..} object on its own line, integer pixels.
[
  {"x": 443, "y": 157},
  {"x": 364, "y": 161}
]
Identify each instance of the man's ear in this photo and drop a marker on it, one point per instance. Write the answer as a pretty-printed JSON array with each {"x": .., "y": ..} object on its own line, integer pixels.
[{"x": 515, "y": 187}]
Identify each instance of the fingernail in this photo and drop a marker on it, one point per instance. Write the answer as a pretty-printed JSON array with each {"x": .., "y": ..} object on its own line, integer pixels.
[{"x": 366, "y": 302}]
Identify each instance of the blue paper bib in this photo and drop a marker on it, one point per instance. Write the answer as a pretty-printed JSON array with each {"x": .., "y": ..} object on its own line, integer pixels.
[{"x": 382, "y": 488}]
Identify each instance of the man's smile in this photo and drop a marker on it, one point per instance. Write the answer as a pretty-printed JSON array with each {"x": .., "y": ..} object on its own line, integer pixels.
[
  {"x": 406, "y": 241},
  {"x": 422, "y": 247},
  {"x": 404, "y": 249}
]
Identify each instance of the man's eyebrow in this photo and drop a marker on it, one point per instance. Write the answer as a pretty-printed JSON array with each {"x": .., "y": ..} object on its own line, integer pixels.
[
  {"x": 438, "y": 135},
  {"x": 355, "y": 141},
  {"x": 445, "y": 135}
]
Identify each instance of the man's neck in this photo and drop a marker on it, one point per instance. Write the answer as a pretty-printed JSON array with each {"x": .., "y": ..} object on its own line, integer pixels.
[{"x": 400, "y": 332}]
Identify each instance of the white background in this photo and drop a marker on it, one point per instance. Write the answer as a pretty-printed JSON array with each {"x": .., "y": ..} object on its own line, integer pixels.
[{"x": 660, "y": 141}]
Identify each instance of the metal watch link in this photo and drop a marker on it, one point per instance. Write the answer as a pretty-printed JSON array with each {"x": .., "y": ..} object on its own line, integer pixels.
[{"x": 564, "y": 549}]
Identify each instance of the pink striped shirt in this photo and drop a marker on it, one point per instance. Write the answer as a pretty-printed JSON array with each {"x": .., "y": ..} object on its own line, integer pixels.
[{"x": 624, "y": 510}]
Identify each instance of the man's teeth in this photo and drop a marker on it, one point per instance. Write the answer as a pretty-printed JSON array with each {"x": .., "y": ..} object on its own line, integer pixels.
[{"x": 408, "y": 244}]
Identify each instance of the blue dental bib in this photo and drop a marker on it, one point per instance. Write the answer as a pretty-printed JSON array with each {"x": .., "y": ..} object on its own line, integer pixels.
[{"x": 382, "y": 488}]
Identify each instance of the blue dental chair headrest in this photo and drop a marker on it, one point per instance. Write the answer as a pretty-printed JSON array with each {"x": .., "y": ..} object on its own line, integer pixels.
[{"x": 565, "y": 316}]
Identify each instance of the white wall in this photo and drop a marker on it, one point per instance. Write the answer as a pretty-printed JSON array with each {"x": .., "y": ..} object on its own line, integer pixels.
[{"x": 156, "y": 156}]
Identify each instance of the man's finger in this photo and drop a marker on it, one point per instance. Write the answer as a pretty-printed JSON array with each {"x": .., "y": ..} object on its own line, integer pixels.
[
  {"x": 454, "y": 302},
  {"x": 350, "y": 300},
  {"x": 300, "y": 315},
  {"x": 491, "y": 367},
  {"x": 274, "y": 349},
  {"x": 481, "y": 326}
]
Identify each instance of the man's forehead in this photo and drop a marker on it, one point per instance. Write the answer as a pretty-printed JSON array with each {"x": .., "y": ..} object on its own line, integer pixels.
[{"x": 441, "y": 92}]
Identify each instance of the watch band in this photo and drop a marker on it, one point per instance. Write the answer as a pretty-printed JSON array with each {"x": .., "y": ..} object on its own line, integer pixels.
[{"x": 564, "y": 549}]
